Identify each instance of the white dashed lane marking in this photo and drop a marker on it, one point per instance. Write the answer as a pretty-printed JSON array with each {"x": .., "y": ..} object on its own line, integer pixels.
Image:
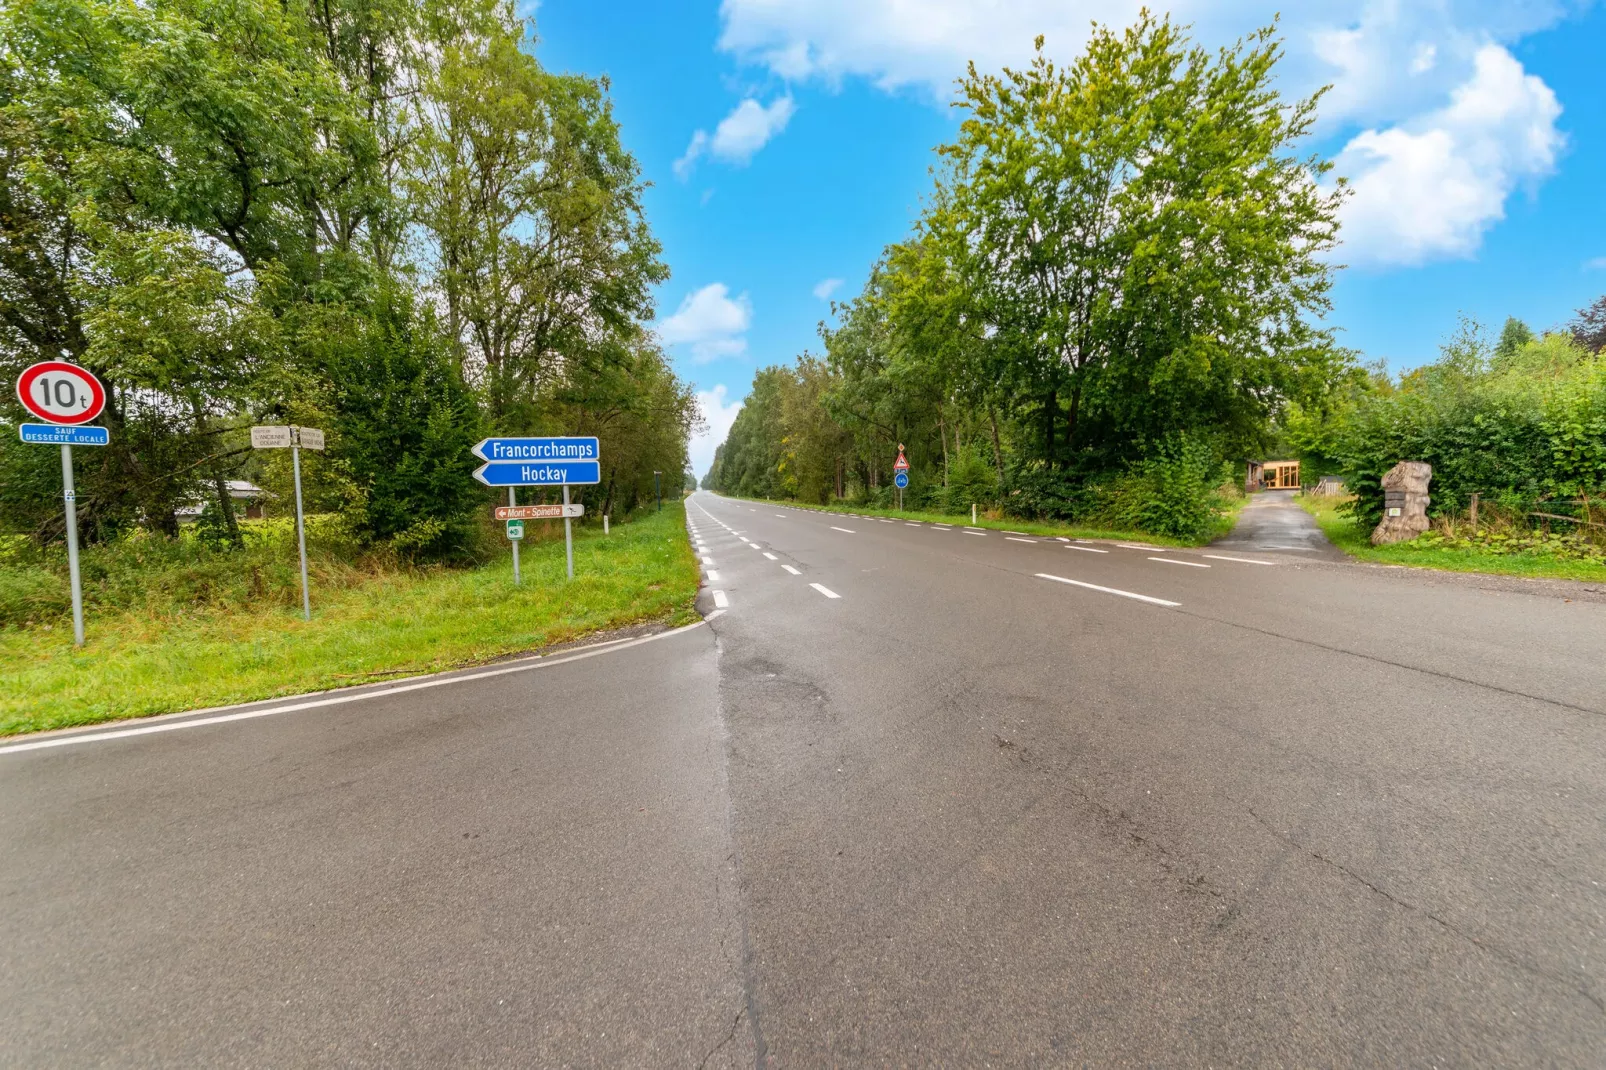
[
  {"x": 713, "y": 577},
  {"x": 969, "y": 532},
  {"x": 825, "y": 590},
  {"x": 720, "y": 601},
  {"x": 1240, "y": 560},
  {"x": 771, "y": 556},
  {"x": 1088, "y": 549},
  {"x": 1011, "y": 538},
  {"x": 708, "y": 560},
  {"x": 848, "y": 530},
  {"x": 792, "y": 570},
  {"x": 1108, "y": 590},
  {"x": 1174, "y": 561}
]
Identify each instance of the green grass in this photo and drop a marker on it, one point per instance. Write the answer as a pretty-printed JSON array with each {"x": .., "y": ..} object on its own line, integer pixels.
[
  {"x": 1029, "y": 527},
  {"x": 1354, "y": 539},
  {"x": 136, "y": 664}
]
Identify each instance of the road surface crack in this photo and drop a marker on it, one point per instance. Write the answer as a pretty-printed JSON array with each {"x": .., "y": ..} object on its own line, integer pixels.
[{"x": 1564, "y": 980}]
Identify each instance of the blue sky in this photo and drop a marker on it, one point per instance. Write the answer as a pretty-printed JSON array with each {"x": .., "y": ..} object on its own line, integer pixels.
[{"x": 788, "y": 141}]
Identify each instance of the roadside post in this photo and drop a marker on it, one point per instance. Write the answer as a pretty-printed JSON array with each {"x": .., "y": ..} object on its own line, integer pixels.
[
  {"x": 513, "y": 502},
  {"x": 540, "y": 462},
  {"x": 657, "y": 488},
  {"x": 66, "y": 397},
  {"x": 900, "y": 476},
  {"x": 277, "y": 437}
]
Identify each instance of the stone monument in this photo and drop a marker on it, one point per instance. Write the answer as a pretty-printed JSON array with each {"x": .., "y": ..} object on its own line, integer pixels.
[{"x": 1405, "y": 502}]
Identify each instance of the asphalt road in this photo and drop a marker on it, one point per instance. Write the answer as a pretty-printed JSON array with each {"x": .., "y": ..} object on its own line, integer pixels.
[{"x": 911, "y": 796}]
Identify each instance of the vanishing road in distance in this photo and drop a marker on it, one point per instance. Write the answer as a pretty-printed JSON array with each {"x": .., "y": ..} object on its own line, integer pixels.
[{"x": 912, "y": 794}]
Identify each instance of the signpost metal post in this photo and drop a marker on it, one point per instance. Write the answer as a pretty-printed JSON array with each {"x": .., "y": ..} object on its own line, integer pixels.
[
  {"x": 64, "y": 394},
  {"x": 278, "y": 436},
  {"x": 658, "y": 489},
  {"x": 71, "y": 498},
  {"x": 541, "y": 462},
  {"x": 900, "y": 477},
  {"x": 512, "y": 501}
]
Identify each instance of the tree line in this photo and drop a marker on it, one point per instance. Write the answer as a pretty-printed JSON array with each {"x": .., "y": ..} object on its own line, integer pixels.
[
  {"x": 1115, "y": 296},
  {"x": 1116, "y": 285},
  {"x": 383, "y": 218}
]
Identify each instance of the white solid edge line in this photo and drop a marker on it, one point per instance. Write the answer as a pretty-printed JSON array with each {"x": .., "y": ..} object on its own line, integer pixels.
[
  {"x": 715, "y": 613},
  {"x": 1012, "y": 538},
  {"x": 1240, "y": 560},
  {"x": 771, "y": 556},
  {"x": 850, "y": 531},
  {"x": 418, "y": 685},
  {"x": 1107, "y": 590},
  {"x": 792, "y": 570},
  {"x": 720, "y": 601},
  {"x": 825, "y": 590},
  {"x": 1088, "y": 549},
  {"x": 1175, "y": 561}
]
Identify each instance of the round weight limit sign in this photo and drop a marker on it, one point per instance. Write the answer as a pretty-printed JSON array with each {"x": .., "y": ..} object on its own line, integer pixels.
[{"x": 61, "y": 393}]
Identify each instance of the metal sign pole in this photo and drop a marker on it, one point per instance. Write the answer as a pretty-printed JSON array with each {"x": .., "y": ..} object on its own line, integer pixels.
[
  {"x": 568, "y": 532},
  {"x": 70, "y": 496},
  {"x": 512, "y": 500},
  {"x": 301, "y": 531}
]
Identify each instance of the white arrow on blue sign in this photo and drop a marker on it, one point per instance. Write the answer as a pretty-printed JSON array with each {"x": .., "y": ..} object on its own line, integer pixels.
[
  {"x": 63, "y": 435},
  {"x": 538, "y": 473},
  {"x": 901, "y": 480}
]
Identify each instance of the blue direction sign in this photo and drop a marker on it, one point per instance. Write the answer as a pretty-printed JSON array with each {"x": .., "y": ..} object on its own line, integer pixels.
[
  {"x": 901, "y": 480},
  {"x": 578, "y": 448},
  {"x": 538, "y": 473},
  {"x": 64, "y": 435}
]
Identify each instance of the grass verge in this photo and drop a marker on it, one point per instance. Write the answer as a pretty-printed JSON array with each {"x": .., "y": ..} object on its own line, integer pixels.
[
  {"x": 1342, "y": 531},
  {"x": 135, "y": 665},
  {"x": 1009, "y": 524}
]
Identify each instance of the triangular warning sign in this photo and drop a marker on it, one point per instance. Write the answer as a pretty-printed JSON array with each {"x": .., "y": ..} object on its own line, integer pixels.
[{"x": 901, "y": 464}]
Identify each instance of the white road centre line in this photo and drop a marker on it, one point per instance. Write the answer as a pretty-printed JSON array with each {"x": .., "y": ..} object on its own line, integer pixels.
[
  {"x": 1088, "y": 549},
  {"x": 850, "y": 531},
  {"x": 792, "y": 570},
  {"x": 713, "y": 577},
  {"x": 825, "y": 590},
  {"x": 1011, "y": 538},
  {"x": 720, "y": 601},
  {"x": 1240, "y": 560},
  {"x": 1107, "y": 590},
  {"x": 771, "y": 556},
  {"x": 1175, "y": 561}
]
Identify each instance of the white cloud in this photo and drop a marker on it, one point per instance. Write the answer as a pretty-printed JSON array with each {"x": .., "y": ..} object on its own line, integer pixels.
[
  {"x": 1597, "y": 264},
  {"x": 719, "y": 413},
  {"x": 711, "y": 322},
  {"x": 825, "y": 288},
  {"x": 1392, "y": 65},
  {"x": 739, "y": 135},
  {"x": 1432, "y": 186}
]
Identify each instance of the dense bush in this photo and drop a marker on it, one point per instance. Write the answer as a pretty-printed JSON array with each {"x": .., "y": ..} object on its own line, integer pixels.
[{"x": 1516, "y": 429}]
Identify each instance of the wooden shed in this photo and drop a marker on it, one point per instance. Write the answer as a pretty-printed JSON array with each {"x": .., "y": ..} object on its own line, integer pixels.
[{"x": 1272, "y": 475}]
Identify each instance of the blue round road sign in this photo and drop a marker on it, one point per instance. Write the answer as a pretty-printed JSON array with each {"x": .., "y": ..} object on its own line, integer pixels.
[{"x": 901, "y": 480}]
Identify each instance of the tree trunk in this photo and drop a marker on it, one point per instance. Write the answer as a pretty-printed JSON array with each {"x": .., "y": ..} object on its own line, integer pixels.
[
  {"x": 1070, "y": 416},
  {"x": 1051, "y": 406},
  {"x": 841, "y": 463},
  {"x": 998, "y": 453},
  {"x": 943, "y": 435},
  {"x": 226, "y": 504}
]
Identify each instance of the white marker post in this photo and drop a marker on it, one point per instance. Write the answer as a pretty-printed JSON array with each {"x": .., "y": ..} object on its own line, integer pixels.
[
  {"x": 568, "y": 531},
  {"x": 512, "y": 500},
  {"x": 71, "y": 498},
  {"x": 301, "y": 532}
]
